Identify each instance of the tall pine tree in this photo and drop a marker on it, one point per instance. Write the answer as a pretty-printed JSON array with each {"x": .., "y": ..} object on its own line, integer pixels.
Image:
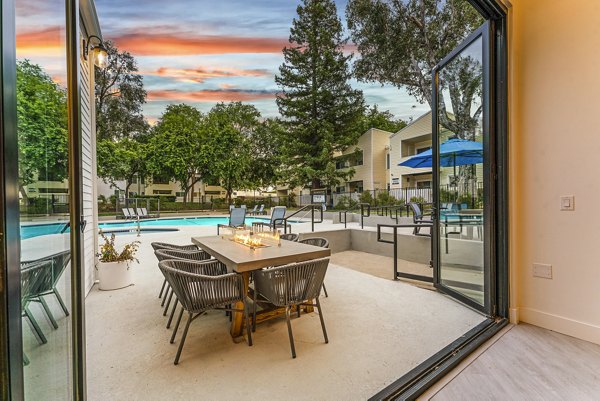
[{"x": 320, "y": 109}]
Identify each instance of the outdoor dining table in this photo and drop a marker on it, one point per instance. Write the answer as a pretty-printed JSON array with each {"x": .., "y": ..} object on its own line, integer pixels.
[{"x": 244, "y": 260}]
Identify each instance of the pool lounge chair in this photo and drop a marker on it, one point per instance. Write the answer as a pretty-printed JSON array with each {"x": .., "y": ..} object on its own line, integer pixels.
[
  {"x": 276, "y": 221},
  {"x": 126, "y": 214},
  {"x": 261, "y": 211},
  {"x": 253, "y": 211},
  {"x": 237, "y": 218}
]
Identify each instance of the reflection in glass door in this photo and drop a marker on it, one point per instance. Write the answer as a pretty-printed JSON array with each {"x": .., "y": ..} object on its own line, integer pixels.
[
  {"x": 461, "y": 173},
  {"x": 44, "y": 199}
]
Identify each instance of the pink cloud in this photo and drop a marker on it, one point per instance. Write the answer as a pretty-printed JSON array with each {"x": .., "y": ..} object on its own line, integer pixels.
[
  {"x": 151, "y": 44},
  {"x": 215, "y": 95}
]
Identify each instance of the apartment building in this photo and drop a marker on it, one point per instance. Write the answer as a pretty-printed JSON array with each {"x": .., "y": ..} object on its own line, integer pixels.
[{"x": 369, "y": 159}]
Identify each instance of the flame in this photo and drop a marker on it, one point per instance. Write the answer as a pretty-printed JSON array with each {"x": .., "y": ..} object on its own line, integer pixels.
[{"x": 248, "y": 240}]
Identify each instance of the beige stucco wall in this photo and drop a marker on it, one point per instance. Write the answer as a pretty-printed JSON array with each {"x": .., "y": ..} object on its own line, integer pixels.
[
  {"x": 554, "y": 147},
  {"x": 372, "y": 172}
]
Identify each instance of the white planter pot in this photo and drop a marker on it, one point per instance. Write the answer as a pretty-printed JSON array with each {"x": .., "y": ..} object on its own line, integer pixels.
[{"x": 114, "y": 275}]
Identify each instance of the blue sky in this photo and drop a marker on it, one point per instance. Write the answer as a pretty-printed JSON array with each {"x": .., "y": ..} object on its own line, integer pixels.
[{"x": 200, "y": 52}]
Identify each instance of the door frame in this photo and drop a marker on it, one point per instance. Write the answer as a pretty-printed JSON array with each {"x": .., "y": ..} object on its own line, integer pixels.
[
  {"x": 11, "y": 340},
  {"x": 489, "y": 243}
]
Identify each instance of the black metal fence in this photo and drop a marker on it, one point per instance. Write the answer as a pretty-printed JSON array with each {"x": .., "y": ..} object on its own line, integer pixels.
[
  {"x": 45, "y": 204},
  {"x": 469, "y": 193}
]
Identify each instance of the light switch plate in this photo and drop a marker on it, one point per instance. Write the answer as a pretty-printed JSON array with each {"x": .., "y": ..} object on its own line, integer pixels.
[
  {"x": 542, "y": 270},
  {"x": 567, "y": 203}
]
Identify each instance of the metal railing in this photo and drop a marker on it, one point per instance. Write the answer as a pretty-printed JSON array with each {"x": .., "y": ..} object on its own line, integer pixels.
[
  {"x": 394, "y": 228},
  {"x": 312, "y": 209},
  {"x": 365, "y": 211}
]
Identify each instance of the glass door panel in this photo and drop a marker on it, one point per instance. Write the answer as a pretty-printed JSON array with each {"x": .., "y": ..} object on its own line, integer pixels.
[
  {"x": 461, "y": 179},
  {"x": 44, "y": 198}
]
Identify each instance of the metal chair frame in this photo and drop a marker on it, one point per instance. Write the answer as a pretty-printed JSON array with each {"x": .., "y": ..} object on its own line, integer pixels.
[
  {"x": 289, "y": 286},
  {"x": 323, "y": 243},
  {"x": 199, "y": 291}
]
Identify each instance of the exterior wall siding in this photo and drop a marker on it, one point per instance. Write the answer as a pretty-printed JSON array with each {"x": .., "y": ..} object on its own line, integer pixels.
[{"x": 88, "y": 133}]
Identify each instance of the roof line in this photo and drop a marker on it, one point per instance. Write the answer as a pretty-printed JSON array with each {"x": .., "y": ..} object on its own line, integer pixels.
[{"x": 411, "y": 123}]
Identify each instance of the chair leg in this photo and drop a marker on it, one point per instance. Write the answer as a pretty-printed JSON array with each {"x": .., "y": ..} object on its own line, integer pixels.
[
  {"x": 248, "y": 328},
  {"x": 185, "y": 331},
  {"x": 37, "y": 331},
  {"x": 322, "y": 321},
  {"x": 289, "y": 325},
  {"x": 162, "y": 288},
  {"x": 325, "y": 291},
  {"x": 167, "y": 290},
  {"x": 48, "y": 312},
  {"x": 168, "y": 303},
  {"x": 61, "y": 302},
  {"x": 172, "y": 313},
  {"x": 176, "y": 326},
  {"x": 254, "y": 310}
]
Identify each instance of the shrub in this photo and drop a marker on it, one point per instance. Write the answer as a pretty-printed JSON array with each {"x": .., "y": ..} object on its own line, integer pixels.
[
  {"x": 366, "y": 197},
  {"x": 385, "y": 199},
  {"x": 345, "y": 202}
]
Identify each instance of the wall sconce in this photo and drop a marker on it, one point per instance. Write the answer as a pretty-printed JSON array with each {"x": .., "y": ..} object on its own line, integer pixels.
[{"x": 99, "y": 52}]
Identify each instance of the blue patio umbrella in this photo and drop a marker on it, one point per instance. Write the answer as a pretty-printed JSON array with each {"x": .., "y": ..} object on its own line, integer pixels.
[{"x": 454, "y": 152}]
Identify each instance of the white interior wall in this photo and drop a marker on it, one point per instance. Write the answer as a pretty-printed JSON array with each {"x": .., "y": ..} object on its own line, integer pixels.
[{"x": 554, "y": 147}]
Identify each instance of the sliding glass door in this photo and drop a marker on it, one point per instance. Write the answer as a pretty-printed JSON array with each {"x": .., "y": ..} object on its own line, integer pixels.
[
  {"x": 44, "y": 198},
  {"x": 463, "y": 240}
]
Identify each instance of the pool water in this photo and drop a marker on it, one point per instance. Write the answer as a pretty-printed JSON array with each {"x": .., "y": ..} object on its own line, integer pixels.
[{"x": 37, "y": 230}]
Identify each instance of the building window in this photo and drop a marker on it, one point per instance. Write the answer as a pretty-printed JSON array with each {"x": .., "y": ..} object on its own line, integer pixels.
[
  {"x": 160, "y": 180},
  {"x": 161, "y": 192},
  {"x": 424, "y": 184},
  {"x": 387, "y": 161},
  {"x": 421, "y": 150}
]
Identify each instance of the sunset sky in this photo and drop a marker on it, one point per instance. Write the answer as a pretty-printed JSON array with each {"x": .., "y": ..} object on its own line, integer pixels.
[{"x": 193, "y": 51}]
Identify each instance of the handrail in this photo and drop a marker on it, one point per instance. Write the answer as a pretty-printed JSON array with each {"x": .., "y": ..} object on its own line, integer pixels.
[
  {"x": 345, "y": 212},
  {"x": 362, "y": 214},
  {"x": 395, "y": 243},
  {"x": 312, "y": 208}
]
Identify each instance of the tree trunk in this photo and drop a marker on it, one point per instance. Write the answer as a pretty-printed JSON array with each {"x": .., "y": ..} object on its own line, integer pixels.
[{"x": 127, "y": 185}]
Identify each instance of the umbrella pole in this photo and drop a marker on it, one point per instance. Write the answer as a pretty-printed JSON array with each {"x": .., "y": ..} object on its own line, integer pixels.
[{"x": 455, "y": 178}]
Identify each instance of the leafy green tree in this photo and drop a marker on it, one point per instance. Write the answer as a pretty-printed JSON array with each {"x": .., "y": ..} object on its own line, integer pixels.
[
  {"x": 123, "y": 160},
  {"x": 265, "y": 147},
  {"x": 41, "y": 127},
  {"x": 120, "y": 96},
  {"x": 179, "y": 147},
  {"x": 319, "y": 108},
  {"x": 231, "y": 128},
  {"x": 383, "y": 120},
  {"x": 401, "y": 41}
]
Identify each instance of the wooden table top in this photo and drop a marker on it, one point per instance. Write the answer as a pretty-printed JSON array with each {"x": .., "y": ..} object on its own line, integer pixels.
[{"x": 241, "y": 258}]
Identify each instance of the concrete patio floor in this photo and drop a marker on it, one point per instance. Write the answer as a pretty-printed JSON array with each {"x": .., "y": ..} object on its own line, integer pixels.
[{"x": 378, "y": 329}]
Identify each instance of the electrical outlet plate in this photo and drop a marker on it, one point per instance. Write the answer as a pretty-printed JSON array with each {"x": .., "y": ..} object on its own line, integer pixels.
[
  {"x": 542, "y": 270},
  {"x": 567, "y": 203}
]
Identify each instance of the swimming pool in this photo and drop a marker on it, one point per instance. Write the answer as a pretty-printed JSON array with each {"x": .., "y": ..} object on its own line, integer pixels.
[{"x": 37, "y": 230}]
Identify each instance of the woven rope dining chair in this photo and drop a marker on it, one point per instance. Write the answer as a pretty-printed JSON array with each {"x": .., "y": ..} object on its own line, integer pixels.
[
  {"x": 292, "y": 285},
  {"x": 164, "y": 245},
  {"x": 198, "y": 291},
  {"x": 290, "y": 237},
  {"x": 198, "y": 255},
  {"x": 323, "y": 243}
]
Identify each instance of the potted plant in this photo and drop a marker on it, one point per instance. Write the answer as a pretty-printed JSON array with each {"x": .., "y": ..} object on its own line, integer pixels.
[{"x": 114, "y": 270}]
